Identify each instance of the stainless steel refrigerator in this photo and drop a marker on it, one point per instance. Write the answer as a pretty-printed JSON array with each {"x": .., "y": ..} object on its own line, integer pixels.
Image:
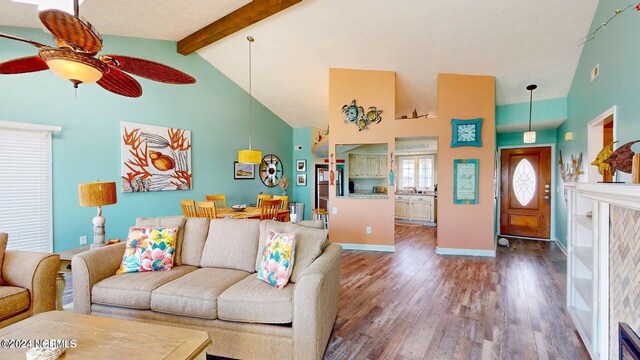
[{"x": 322, "y": 184}]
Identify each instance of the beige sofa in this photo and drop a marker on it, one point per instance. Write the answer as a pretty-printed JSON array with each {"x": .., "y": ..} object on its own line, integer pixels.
[
  {"x": 29, "y": 284},
  {"x": 214, "y": 287}
]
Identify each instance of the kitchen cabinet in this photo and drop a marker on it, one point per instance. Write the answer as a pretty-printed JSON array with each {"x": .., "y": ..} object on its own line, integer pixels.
[
  {"x": 402, "y": 209},
  {"x": 368, "y": 166},
  {"x": 415, "y": 208}
]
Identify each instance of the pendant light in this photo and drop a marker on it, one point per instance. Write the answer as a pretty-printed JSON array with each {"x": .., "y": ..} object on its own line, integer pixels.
[
  {"x": 530, "y": 136},
  {"x": 250, "y": 156}
]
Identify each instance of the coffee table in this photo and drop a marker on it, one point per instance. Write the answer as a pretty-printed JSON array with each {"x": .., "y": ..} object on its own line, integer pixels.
[{"x": 105, "y": 338}]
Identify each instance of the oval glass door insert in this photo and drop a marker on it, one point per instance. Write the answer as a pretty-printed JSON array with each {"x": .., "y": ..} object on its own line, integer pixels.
[{"x": 524, "y": 182}]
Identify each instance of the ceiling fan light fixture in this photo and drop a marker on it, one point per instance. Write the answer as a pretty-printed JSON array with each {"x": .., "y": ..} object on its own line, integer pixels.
[{"x": 74, "y": 67}]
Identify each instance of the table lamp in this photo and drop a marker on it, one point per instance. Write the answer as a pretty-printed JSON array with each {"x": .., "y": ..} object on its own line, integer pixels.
[{"x": 97, "y": 194}]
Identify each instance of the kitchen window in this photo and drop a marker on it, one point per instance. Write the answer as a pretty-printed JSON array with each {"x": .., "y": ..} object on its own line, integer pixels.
[{"x": 416, "y": 172}]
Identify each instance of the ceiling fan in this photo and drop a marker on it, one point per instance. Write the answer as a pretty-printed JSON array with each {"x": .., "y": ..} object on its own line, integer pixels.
[{"x": 74, "y": 58}]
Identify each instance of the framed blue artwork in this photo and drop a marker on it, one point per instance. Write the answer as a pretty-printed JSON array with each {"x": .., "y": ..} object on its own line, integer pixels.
[
  {"x": 465, "y": 181},
  {"x": 466, "y": 132}
]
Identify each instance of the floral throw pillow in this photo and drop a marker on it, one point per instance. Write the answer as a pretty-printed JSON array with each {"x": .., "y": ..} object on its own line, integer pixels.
[
  {"x": 149, "y": 249},
  {"x": 277, "y": 259}
]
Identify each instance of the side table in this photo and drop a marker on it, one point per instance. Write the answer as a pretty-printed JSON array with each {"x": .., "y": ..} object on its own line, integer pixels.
[{"x": 65, "y": 267}]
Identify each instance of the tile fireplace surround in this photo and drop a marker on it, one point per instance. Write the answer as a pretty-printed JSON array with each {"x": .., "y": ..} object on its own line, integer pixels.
[{"x": 624, "y": 254}]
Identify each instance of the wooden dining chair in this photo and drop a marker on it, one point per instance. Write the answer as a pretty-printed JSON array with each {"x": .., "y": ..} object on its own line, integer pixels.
[
  {"x": 189, "y": 208},
  {"x": 207, "y": 209},
  {"x": 270, "y": 209},
  {"x": 262, "y": 197},
  {"x": 219, "y": 199},
  {"x": 285, "y": 201}
]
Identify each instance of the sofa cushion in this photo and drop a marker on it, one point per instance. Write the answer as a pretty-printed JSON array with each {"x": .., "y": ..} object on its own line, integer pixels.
[
  {"x": 309, "y": 244},
  {"x": 312, "y": 224},
  {"x": 4, "y": 237},
  {"x": 133, "y": 290},
  {"x": 277, "y": 259},
  {"x": 149, "y": 249},
  {"x": 232, "y": 244},
  {"x": 13, "y": 300},
  {"x": 254, "y": 301},
  {"x": 195, "y": 294},
  {"x": 168, "y": 221},
  {"x": 195, "y": 235}
]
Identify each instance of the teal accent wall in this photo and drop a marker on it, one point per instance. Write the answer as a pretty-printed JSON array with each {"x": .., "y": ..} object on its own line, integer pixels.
[
  {"x": 547, "y": 136},
  {"x": 543, "y": 110},
  {"x": 88, "y": 148},
  {"x": 304, "y": 194},
  {"x": 617, "y": 50}
]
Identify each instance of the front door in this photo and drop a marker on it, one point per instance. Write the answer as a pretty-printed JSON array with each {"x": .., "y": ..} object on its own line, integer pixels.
[{"x": 525, "y": 192}]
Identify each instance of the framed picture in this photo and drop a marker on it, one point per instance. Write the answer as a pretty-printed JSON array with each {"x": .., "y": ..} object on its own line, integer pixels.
[
  {"x": 301, "y": 179},
  {"x": 301, "y": 165},
  {"x": 466, "y": 132},
  {"x": 243, "y": 171},
  {"x": 465, "y": 181}
]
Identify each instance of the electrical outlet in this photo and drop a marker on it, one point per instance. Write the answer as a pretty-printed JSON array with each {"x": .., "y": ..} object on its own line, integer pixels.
[
  {"x": 368, "y": 229},
  {"x": 83, "y": 240},
  {"x": 335, "y": 210}
]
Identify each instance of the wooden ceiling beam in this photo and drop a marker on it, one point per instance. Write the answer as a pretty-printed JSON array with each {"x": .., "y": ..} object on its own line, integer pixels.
[{"x": 244, "y": 17}]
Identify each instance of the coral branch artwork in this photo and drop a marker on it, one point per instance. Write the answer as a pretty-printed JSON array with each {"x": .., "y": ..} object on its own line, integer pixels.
[
  {"x": 155, "y": 158},
  {"x": 592, "y": 35}
]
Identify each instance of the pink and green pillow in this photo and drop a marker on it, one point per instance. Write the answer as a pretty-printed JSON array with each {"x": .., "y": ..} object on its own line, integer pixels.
[
  {"x": 277, "y": 259},
  {"x": 149, "y": 249}
]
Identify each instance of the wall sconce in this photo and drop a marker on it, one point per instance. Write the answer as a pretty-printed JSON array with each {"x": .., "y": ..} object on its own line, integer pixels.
[{"x": 568, "y": 136}]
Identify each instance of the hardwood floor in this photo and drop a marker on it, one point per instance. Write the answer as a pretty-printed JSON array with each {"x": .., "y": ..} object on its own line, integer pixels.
[{"x": 414, "y": 304}]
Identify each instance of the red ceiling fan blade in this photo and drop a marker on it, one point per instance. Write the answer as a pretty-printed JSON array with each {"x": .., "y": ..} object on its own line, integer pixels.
[
  {"x": 23, "y": 65},
  {"x": 148, "y": 69},
  {"x": 71, "y": 31},
  {"x": 34, "y": 43},
  {"x": 120, "y": 83}
]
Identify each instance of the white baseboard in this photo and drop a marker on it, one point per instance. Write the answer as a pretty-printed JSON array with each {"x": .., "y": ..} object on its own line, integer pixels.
[
  {"x": 562, "y": 247},
  {"x": 465, "y": 252},
  {"x": 365, "y": 247}
]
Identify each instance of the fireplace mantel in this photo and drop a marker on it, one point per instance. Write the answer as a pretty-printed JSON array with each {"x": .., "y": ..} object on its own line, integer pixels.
[{"x": 625, "y": 195}]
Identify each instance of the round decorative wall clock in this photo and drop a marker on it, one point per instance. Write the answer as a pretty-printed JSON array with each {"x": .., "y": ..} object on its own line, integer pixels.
[{"x": 271, "y": 170}]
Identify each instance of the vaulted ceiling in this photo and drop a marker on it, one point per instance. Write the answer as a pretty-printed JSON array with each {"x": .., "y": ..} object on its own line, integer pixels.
[{"x": 519, "y": 42}]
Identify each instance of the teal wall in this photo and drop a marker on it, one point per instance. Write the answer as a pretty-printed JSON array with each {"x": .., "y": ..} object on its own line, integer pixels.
[
  {"x": 515, "y": 138},
  {"x": 543, "y": 110},
  {"x": 617, "y": 50},
  {"x": 88, "y": 148},
  {"x": 302, "y": 136}
]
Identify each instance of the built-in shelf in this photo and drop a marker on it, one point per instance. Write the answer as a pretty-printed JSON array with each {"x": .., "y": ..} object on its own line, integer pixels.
[
  {"x": 585, "y": 255},
  {"x": 584, "y": 221},
  {"x": 584, "y": 319},
  {"x": 584, "y": 288}
]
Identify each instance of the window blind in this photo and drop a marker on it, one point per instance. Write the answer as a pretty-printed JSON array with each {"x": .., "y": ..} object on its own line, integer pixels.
[{"x": 25, "y": 188}]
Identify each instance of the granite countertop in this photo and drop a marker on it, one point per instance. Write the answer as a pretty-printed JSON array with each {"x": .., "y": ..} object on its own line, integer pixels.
[
  {"x": 427, "y": 193},
  {"x": 367, "y": 196}
]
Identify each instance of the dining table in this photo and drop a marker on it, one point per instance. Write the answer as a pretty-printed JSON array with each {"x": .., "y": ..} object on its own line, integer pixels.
[{"x": 250, "y": 212}]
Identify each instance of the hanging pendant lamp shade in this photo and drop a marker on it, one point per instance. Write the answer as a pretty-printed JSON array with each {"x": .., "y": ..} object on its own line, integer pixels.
[
  {"x": 530, "y": 136},
  {"x": 250, "y": 156}
]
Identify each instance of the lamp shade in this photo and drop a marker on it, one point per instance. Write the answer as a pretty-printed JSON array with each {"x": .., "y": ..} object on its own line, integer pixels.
[
  {"x": 97, "y": 193},
  {"x": 249, "y": 156},
  {"x": 529, "y": 137}
]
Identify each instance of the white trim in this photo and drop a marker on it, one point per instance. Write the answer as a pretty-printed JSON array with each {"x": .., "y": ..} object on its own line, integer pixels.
[
  {"x": 595, "y": 130},
  {"x": 465, "y": 252},
  {"x": 365, "y": 247},
  {"x": 600, "y": 118},
  {"x": 28, "y": 126},
  {"x": 553, "y": 193},
  {"x": 562, "y": 247}
]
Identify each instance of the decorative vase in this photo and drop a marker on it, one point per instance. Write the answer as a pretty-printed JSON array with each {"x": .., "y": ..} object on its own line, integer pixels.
[
  {"x": 332, "y": 177},
  {"x": 391, "y": 177}
]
